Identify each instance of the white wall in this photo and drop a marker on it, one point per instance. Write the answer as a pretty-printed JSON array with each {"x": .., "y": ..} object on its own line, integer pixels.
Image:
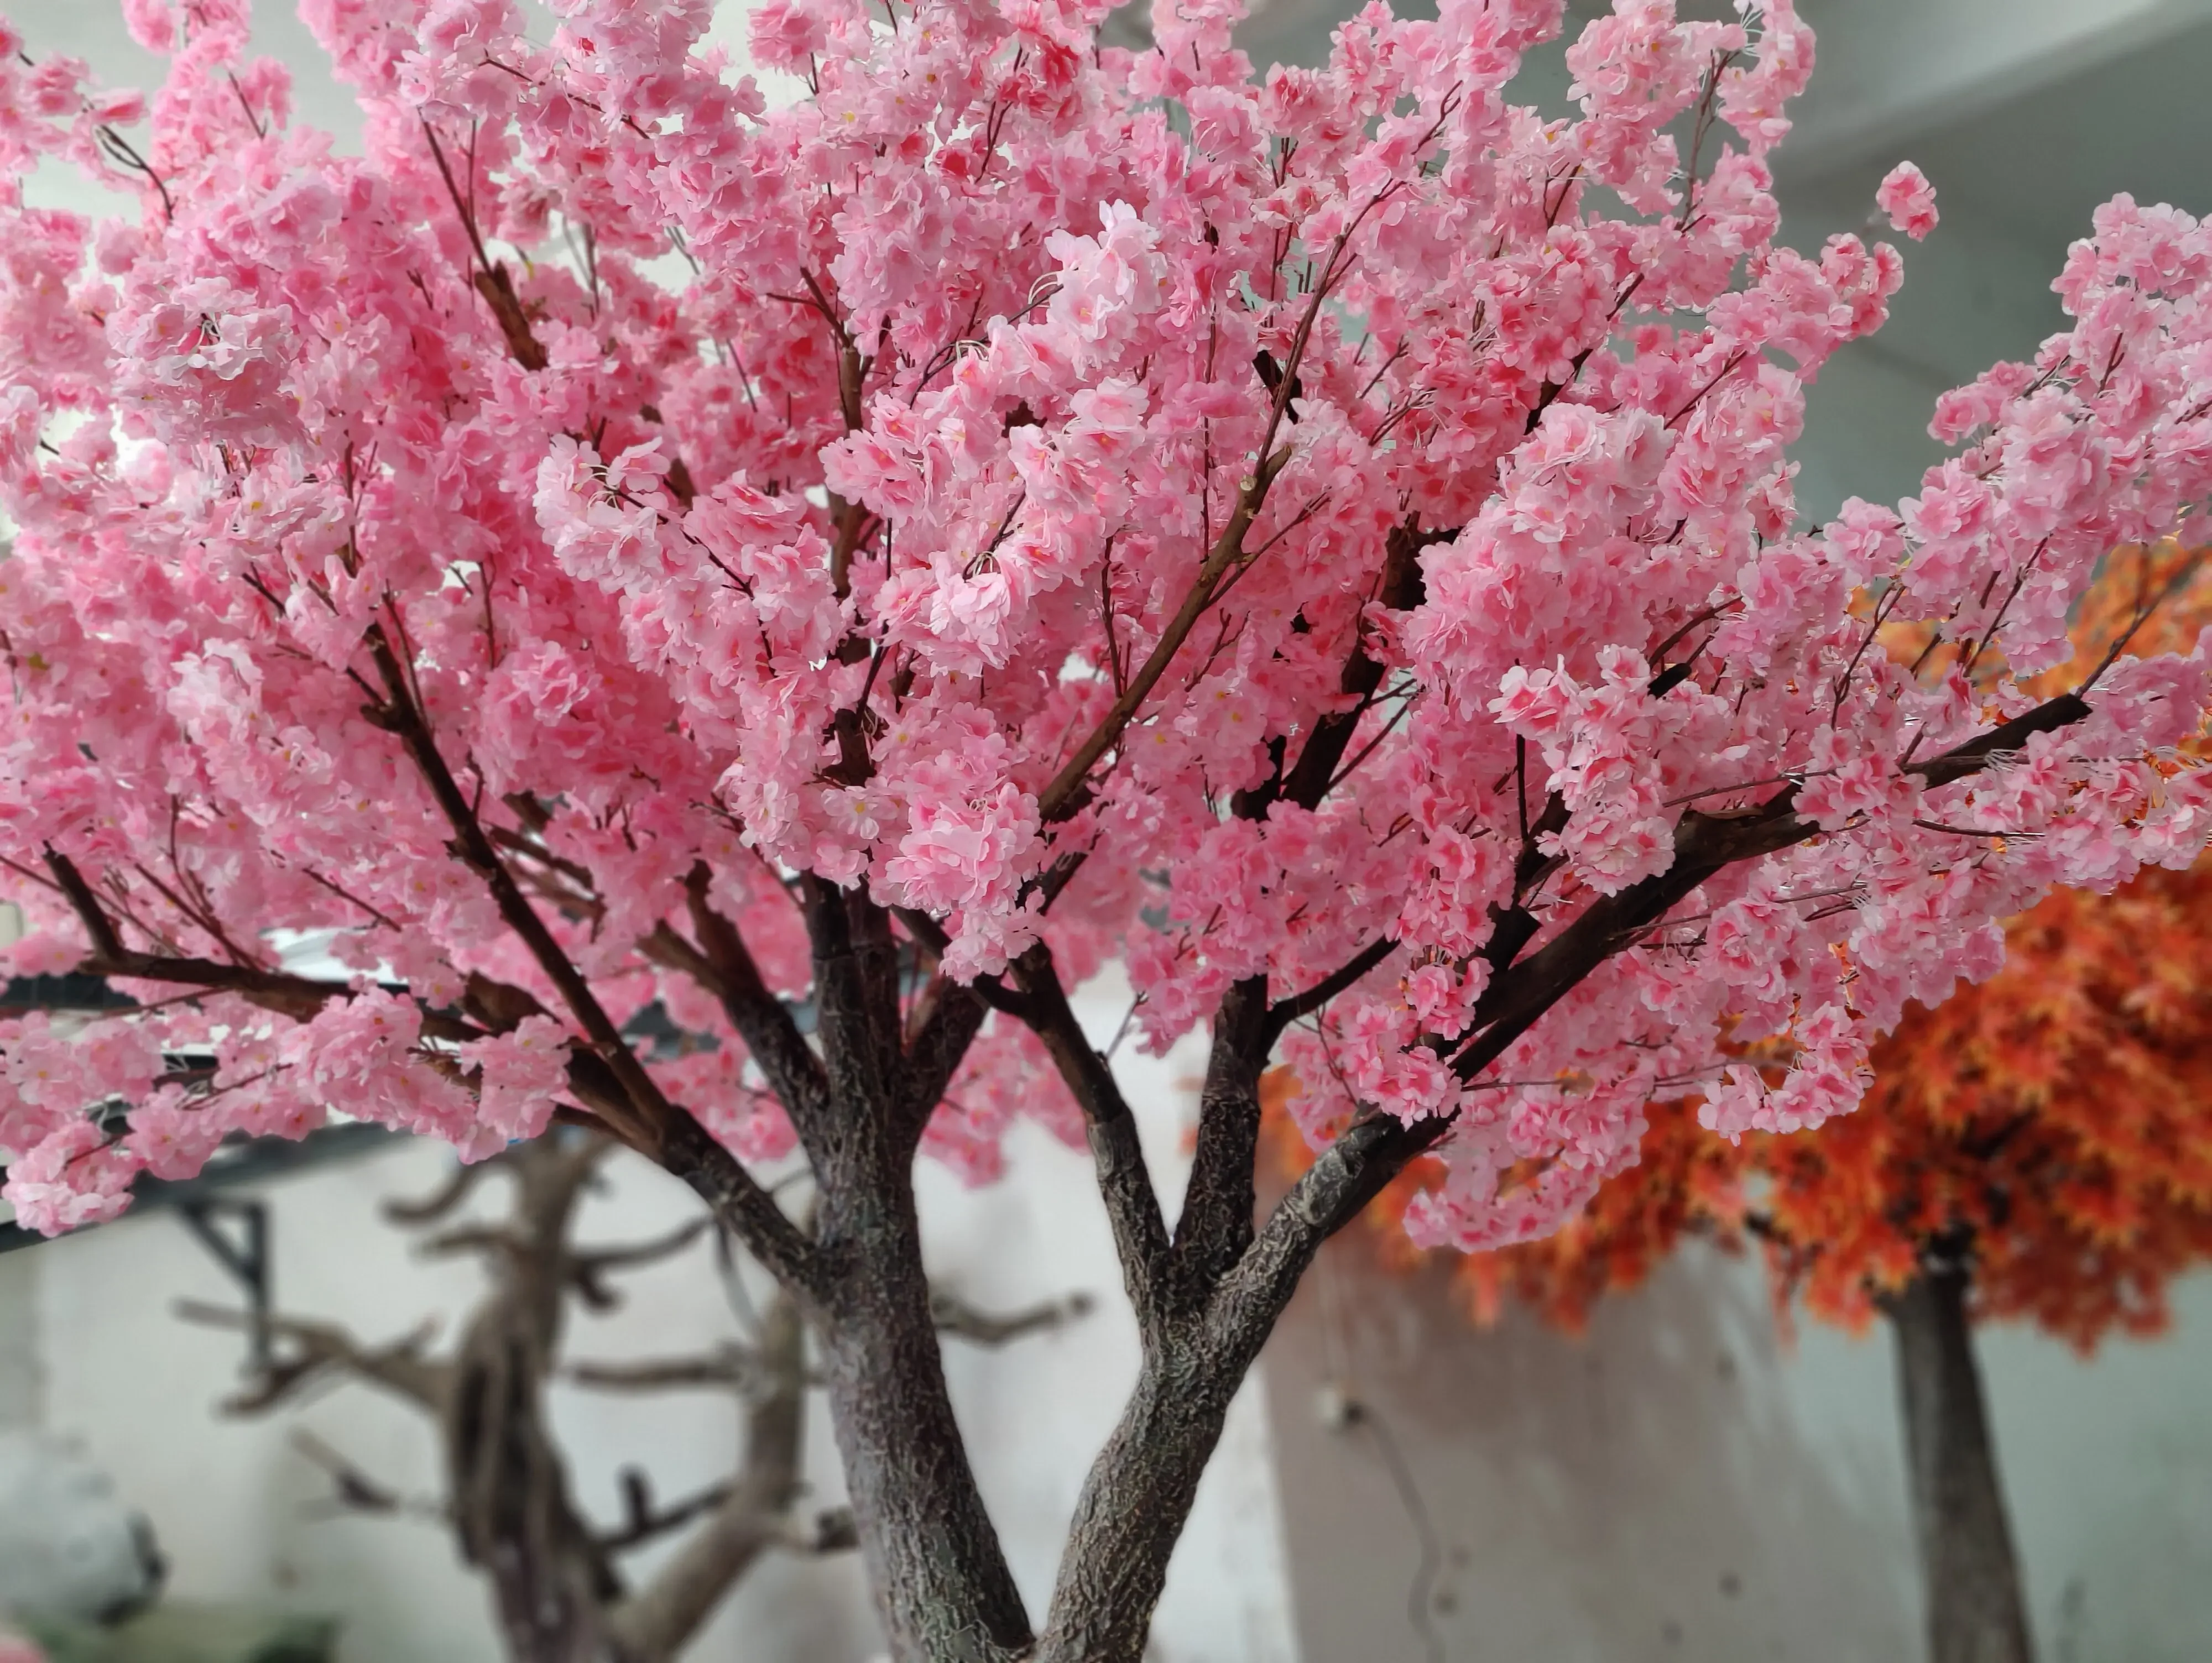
[
  {"x": 227, "y": 1496},
  {"x": 1678, "y": 1487}
]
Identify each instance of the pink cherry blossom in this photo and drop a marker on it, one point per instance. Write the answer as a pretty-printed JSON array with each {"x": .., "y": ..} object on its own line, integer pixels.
[
  {"x": 1320, "y": 543},
  {"x": 1909, "y": 200}
]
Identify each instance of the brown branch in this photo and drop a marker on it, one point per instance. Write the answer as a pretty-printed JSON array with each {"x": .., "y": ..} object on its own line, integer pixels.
[
  {"x": 1400, "y": 590},
  {"x": 1140, "y": 1234},
  {"x": 943, "y": 1024},
  {"x": 1217, "y": 1221},
  {"x": 297, "y": 997},
  {"x": 856, "y": 1012},
  {"x": 751, "y": 1518},
  {"x": 1066, "y": 794},
  {"x": 724, "y": 966},
  {"x": 1342, "y": 980},
  {"x": 958, "y": 1320},
  {"x": 640, "y": 1115},
  {"x": 352, "y": 1489},
  {"x": 1376, "y": 1147},
  {"x": 637, "y": 1254},
  {"x": 459, "y": 1184},
  {"x": 729, "y": 1367},
  {"x": 322, "y": 1348},
  {"x": 490, "y": 278}
]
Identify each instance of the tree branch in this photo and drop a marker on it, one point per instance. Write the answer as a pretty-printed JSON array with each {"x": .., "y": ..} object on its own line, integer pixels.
[
  {"x": 297, "y": 997},
  {"x": 1217, "y": 1222},
  {"x": 751, "y": 1517},
  {"x": 725, "y": 966},
  {"x": 729, "y": 1367},
  {"x": 1140, "y": 1235},
  {"x": 958, "y": 1320},
  {"x": 1342, "y": 980},
  {"x": 1333, "y": 1192},
  {"x": 1400, "y": 590},
  {"x": 322, "y": 1348},
  {"x": 648, "y": 1109},
  {"x": 943, "y": 1024},
  {"x": 640, "y": 1114},
  {"x": 856, "y": 1007}
]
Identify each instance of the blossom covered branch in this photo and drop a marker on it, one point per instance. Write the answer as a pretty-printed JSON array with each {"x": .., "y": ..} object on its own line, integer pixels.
[{"x": 1324, "y": 539}]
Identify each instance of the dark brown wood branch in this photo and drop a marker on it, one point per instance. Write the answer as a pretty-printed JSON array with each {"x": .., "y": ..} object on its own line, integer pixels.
[
  {"x": 401, "y": 715},
  {"x": 1217, "y": 1221},
  {"x": 725, "y": 966},
  {"x": 640, "y": 1115},
  {"x": 1399, "y": 590},
  {"x": 1132, "y": 1207},
  {"x": 857, "y": 1016},
  {"x": 1069, "y": 788},
  {"x": 1342, "y": 980},
  {"x": 1704, "y": 845},
  {"x": 2002, "y": 740},
  {"x": 497, "y": 288},
  {"x": 942, "y": 1025},
  {"x": 297, "y": 997}
]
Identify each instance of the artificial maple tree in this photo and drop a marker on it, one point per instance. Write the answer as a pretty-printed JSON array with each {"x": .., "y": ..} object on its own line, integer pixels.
[
  {"x": 1325, "y": 538},
  {"x": 2038, "y": 1147}
]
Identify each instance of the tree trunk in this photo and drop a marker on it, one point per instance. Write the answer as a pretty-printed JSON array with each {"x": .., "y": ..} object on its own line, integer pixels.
[
  {"x": 1133, "y": 1506},
  {"x": 511, "y": 1507},
  {"x": 1972, "y": 1574},
  {"x": 941, "y": 1584}
]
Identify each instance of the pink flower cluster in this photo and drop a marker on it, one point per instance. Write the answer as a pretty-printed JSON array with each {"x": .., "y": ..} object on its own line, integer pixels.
[{"x": 991, "y": 514}]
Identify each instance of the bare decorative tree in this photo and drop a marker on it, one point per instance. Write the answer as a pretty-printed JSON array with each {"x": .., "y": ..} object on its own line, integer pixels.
[{"x": 559, "y": 1591}]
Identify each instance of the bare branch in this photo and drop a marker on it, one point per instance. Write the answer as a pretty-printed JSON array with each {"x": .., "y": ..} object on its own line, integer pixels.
[
  {"x": 958, "y": 1320},
  {"x": 730, "y": 1367},
  {"x": 352, "y": 1489},
  {"x": 322, "y": 1348},
  {"x": 461, "y": 1183},
  {"x": 639, "y": 1253},
  {"x": 752, "y": 1516},
  {"x": 644, "y": 1522}
]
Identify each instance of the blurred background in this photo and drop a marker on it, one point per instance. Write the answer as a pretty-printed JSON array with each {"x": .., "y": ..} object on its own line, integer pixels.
[{"x": 1678, "y": 1483}]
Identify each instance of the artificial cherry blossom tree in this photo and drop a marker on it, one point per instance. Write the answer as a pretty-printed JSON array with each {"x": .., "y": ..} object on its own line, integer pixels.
[{"x": 1323, "y": 537}]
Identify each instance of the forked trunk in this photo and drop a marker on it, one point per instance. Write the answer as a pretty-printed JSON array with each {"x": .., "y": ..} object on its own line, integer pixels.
[{"x": 1972, "y": 1574}]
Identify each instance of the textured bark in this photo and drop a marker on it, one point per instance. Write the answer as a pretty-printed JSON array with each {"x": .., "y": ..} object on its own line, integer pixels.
[
  {"x": 941, "y": 1583},
  {"x": 1135, "y": 1503},
  {"x": 1975, "y": 1613}
]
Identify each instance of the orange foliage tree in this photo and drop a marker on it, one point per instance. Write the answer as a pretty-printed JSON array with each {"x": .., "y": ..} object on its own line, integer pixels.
[{"x": 2038, "y": 1147}]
